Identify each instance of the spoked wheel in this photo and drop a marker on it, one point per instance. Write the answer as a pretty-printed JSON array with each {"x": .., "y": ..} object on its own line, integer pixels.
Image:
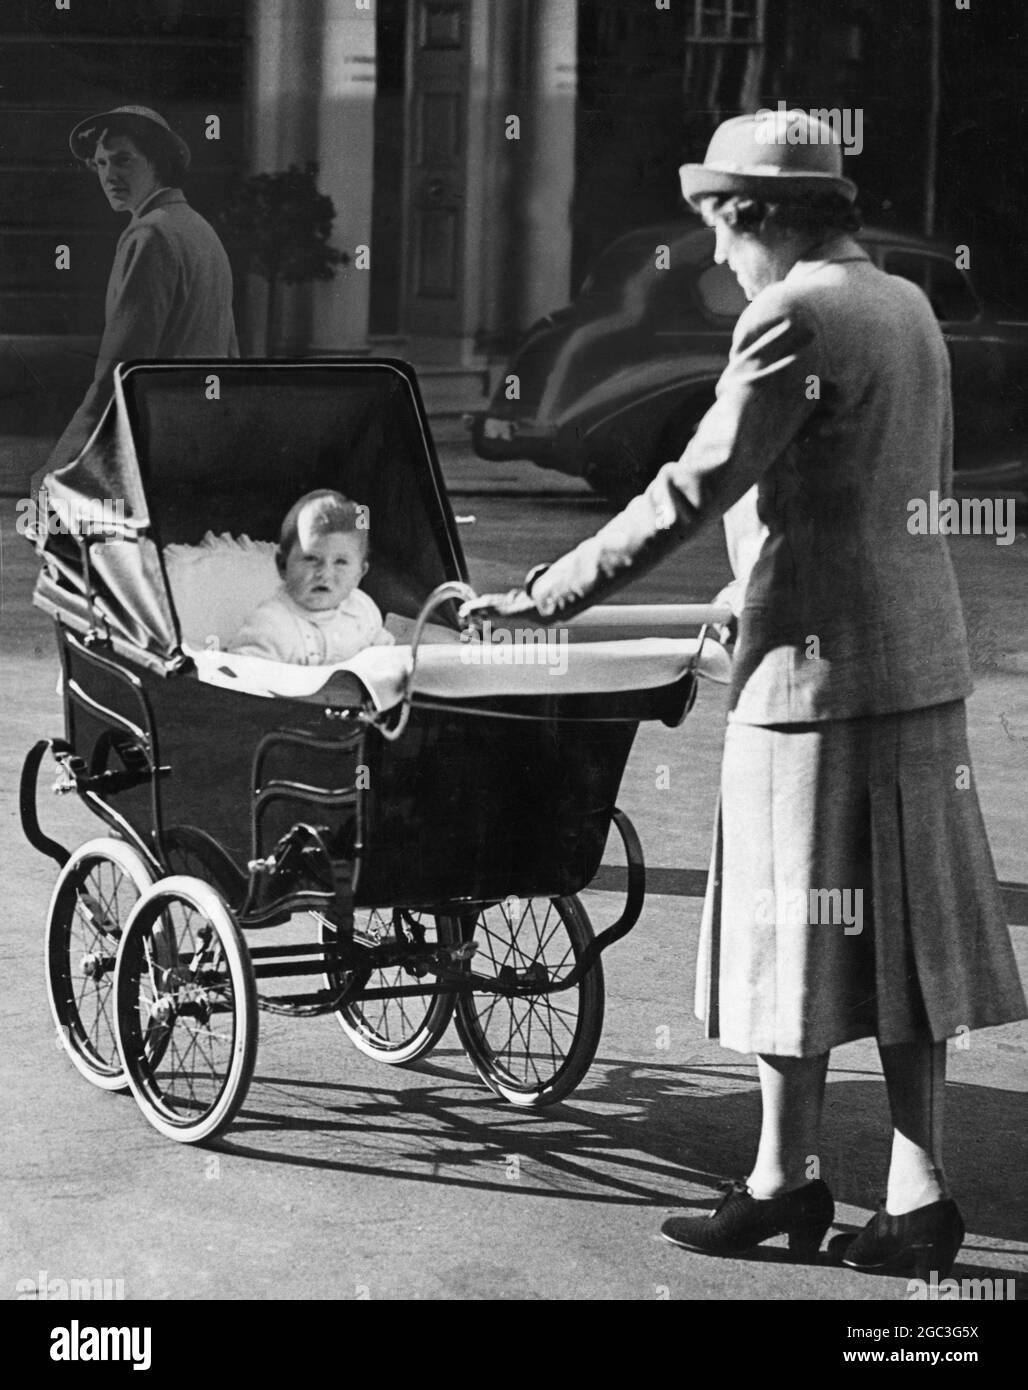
[
  {"x": 532, "y": 1049},
  {"x": 89, "y": 911},
  {"x": 186, "y": 1006},
  {"x": 400, "y": 1030}
]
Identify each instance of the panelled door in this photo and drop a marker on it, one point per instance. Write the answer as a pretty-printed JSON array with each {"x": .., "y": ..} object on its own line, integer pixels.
[{"x": 436, "y": 167}]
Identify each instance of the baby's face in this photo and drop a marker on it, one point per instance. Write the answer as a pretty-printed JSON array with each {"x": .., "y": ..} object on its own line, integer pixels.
[{"x": 323, "y": 574}]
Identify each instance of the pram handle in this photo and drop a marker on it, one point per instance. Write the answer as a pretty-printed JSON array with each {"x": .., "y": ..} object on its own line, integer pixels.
[
  {"x": 442, "y": 593},
  {"x": 633, "y": 615},
  {"x": 645, "y": 615}
]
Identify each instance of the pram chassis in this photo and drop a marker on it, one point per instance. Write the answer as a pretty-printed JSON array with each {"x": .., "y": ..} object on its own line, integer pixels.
[{"x": 396, "y": 920}]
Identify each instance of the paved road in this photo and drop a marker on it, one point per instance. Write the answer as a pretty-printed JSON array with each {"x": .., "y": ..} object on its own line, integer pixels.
[{"x": 343, "y": 1178}]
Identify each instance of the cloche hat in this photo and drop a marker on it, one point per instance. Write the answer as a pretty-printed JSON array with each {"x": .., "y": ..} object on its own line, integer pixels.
[
  {"x": 85, "y": 135},
  {"x": 770, "y": 154}
]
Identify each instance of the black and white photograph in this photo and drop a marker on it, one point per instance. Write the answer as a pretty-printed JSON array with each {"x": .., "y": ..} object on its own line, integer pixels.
[{"x": 514, "y": 667}]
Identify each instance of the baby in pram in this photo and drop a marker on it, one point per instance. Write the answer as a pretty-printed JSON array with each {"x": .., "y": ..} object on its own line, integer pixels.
[{"x": 319, "y": 615}]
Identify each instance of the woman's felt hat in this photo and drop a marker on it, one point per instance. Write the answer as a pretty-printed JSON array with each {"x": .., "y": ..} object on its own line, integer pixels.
[
  {"x": 770, "y": 154},
  {"x": 85, "y": 135}
]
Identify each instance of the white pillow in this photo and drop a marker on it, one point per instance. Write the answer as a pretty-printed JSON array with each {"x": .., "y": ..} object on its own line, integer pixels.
[{"x": 215, "y": 585}]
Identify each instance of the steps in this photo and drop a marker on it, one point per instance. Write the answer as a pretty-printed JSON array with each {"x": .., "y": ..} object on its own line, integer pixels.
[{"x": 449, "y": 394}]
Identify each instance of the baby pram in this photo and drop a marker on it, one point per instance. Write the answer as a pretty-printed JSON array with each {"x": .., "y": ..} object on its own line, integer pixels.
[{"x": 409, "y": 830}]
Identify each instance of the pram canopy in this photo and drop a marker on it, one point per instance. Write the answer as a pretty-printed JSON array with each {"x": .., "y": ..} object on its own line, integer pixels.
[{"x": 187, "y": 448}]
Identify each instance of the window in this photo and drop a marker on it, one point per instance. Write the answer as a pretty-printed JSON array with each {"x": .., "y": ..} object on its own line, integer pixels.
[
  {"x": 727, "y": 21},
  {"x": 724, "y": 58},
  {"x": 948, "y": 290}
]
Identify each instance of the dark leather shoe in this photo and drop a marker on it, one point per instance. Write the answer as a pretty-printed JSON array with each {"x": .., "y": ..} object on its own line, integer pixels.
[
  {"x": 741, "y": 1222},
  {"x": 925, "y": 1240}
]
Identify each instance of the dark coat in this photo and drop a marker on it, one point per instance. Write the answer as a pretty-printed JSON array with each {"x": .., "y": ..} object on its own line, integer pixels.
[{"x": 169, "y": 295}]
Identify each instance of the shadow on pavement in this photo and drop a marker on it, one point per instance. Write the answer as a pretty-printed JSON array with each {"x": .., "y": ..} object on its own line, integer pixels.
[{"x": 633, "y": 1134}]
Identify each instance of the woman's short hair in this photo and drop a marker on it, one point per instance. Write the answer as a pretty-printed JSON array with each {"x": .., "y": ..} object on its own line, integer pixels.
[
  {"x": 151, "y": 142},
  {"x": 813, "y": 215},
  {"x": 321, "y": 513}
]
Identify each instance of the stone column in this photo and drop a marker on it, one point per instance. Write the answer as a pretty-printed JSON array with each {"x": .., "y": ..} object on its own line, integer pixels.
[
  {"x": 548, "y": 166},
  {"x": 286, "y": 44},
  {"x": 492, "y": 175},
  {"x": 283, "y": 131},
  {"x": 346, "y": 130}
]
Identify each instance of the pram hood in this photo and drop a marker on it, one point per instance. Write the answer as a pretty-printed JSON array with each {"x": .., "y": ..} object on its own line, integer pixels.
[{"x": 189, "y": 447}]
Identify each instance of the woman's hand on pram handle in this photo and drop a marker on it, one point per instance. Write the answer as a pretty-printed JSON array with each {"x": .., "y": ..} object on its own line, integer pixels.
[
  {"x": 515, "y": 603},
  {"x": 487, "y": 608},
  {"x": 732, "y": 596}
]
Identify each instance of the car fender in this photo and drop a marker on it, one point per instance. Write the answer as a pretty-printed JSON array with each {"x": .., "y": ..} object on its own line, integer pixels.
[
  {"x": 631, "y": 427},
  {"x": 650, "y": 394},
  {"x": 644, "y": 383}
]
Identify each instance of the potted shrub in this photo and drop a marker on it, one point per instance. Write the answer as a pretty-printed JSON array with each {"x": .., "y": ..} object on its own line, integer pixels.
[{"x": 278, "y": 226}]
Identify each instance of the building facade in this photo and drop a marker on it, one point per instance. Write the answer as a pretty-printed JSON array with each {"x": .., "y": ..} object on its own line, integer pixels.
[
  {"x": 444, "y": 131},
  {"x": 479, "y": 153}
]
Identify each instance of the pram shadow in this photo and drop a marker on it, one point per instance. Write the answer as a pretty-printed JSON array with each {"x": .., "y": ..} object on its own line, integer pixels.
[{"x": 633, "y": 1133}]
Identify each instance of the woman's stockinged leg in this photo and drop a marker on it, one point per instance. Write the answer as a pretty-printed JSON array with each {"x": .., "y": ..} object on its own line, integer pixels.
[
  {"x": 784, "y": 1195},
  {"x": 919, "y": 1228},
  {"x": 915, "y": 1077},
  {"x": 792, "y": 1094}
]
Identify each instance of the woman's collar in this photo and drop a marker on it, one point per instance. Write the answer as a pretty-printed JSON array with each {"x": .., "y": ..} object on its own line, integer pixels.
[
  {"x": 838, "y": 246},
  {"x": 158, "y": 198}
]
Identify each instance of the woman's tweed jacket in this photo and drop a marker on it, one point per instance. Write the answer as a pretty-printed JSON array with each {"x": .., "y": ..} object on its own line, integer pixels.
[{"x": 832, "y": 416}]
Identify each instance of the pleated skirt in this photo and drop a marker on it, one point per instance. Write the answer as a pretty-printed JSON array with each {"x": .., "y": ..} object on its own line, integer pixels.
[{"x": 852, "y": 891}]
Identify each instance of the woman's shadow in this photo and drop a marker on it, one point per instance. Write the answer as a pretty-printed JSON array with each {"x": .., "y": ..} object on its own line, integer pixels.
[{"x": 633, "y": 1133}]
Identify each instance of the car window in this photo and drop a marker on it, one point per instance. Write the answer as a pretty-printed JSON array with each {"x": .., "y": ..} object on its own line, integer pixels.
[
  {"x": 720, "y": 293},
  {"x": 948, "y": 291},
  {"x": 685, "y": 297}
]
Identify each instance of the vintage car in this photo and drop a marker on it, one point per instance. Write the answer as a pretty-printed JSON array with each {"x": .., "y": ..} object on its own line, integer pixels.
[{"x": 612, "y": 386}]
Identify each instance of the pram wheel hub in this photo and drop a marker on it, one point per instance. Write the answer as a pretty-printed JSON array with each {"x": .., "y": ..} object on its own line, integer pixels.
[
  {"x": 162, "y": 1011},
  {"x": 94, "y": 966}
]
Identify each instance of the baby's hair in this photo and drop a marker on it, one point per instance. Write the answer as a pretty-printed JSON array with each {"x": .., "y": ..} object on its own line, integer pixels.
[{"x": 321, "y": 513}]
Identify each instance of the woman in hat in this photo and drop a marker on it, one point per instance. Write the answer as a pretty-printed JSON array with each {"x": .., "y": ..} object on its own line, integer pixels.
[
  {"x": 846, "y": 774},
  {"x": 170, "y": 288}
]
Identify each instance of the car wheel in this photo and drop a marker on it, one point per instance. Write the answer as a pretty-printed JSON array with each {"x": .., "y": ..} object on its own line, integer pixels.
[
  {"x": 615, "y": 468},
  {"x": 679, "y": 429},
  {"x": 615, "y": 471}
]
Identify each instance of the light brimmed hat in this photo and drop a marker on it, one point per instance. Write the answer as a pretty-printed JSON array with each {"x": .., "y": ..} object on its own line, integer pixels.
[
  {"x": 85, "y": 135},
  {"x": 771, "y": 154}
]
